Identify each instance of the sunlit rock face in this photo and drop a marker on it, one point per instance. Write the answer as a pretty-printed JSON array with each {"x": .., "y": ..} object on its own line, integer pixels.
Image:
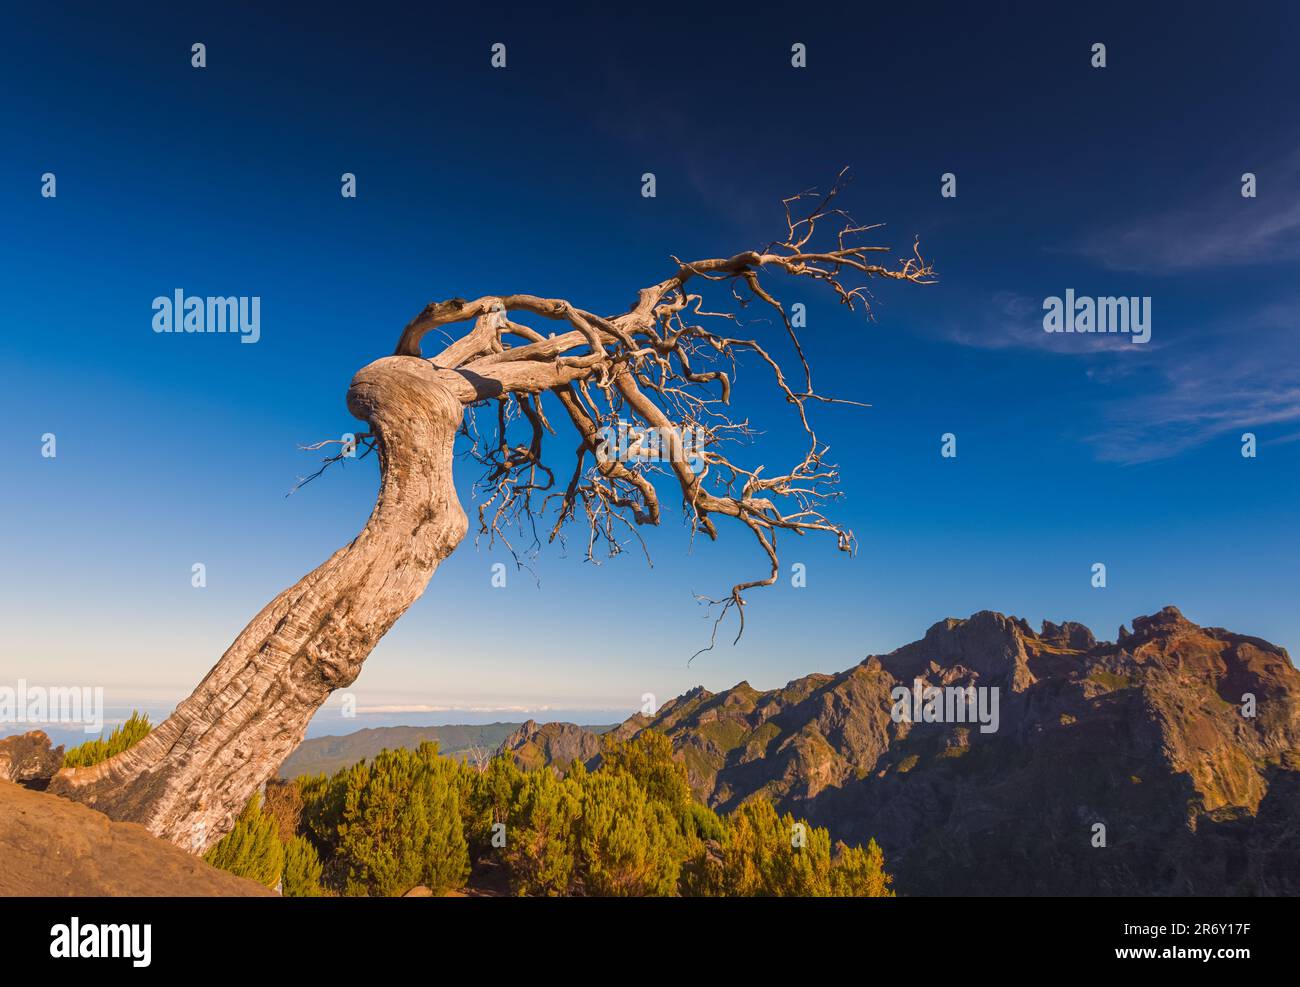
[{"x": 1167, "y": 762}]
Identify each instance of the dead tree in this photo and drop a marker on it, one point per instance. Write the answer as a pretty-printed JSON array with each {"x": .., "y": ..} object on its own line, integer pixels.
[{"x": 666, "y": 364}]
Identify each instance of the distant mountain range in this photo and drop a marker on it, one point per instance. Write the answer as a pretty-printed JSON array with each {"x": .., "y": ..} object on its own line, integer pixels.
[
  {"x": 1166, "y": 762},
  {"x": 328, "y": 754}
]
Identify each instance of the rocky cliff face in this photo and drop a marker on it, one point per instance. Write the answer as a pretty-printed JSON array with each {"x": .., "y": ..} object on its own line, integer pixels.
[
  {"x": 556, "y": 744},
  {"x": 1152, "y": 742}
]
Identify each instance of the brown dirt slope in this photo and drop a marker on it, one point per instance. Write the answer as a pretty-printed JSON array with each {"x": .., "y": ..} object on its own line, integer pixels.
[{"x": 50, "y": 847}]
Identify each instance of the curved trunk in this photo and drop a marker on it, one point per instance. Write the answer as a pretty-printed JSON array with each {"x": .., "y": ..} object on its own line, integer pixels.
[{"x": 190, "y": 778}]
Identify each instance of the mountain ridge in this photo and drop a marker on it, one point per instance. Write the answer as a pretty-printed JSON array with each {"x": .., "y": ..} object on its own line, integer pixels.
[
  {"x": 1146, "y": 736},
  {"x": 330, "y": 753}
]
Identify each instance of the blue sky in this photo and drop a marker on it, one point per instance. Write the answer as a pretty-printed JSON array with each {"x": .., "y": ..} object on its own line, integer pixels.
[{"x": 1071, "y": 449}]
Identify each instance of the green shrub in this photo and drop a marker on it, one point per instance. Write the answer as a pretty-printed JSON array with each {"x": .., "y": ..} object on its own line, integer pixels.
[
  {"x": 627, "y": 845},
  {"x": 649, "y": 759},
  {"x": 860, "y": 873},
  {"x": 705, "y": 824},
  {"x": 540, "y": 840},
  {"x": 631, "y": 827},
  {"x": 769, "y": 855},
  {"x": 486, "y": 801},
  {"x": 400, "y": 824},
  {"x": 322, "y": 807},
  {"x": 135, "y": 729},
  {"x": 252, "y": 848},
  {"x": 302, "y": 869},
  {"x": 766, "y": 855}
]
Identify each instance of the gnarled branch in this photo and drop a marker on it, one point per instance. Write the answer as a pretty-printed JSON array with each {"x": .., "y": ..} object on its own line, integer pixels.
[{"x": 659, "y": 374}]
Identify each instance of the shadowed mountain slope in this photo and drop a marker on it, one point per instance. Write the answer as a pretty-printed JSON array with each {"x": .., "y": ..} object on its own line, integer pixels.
[{"x": 1154, "y": 737}]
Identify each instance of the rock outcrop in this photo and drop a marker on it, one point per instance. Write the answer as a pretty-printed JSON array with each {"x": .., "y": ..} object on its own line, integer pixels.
[
  {"x": 28, "y": 759},
  {"x": 554, "y": 744}
]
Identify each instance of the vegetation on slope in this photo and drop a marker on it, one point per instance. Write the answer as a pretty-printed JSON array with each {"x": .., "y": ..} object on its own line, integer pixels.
[
  {"x": 91, "y": 752},
  {"x": 628, "y": 828}
]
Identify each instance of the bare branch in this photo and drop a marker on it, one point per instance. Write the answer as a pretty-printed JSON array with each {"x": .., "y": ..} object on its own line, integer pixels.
[
  {"x": 648, "y": 392},
  {"x": 366, "y": 439}
]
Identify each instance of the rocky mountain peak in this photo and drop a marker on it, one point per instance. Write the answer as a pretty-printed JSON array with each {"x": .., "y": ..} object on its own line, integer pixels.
[
  {"x": 558, "y": 744},
  {"x": 1182, "y": 740},
  {"x": 1070, "y": 635},
  {"x": 988, "y": 644},
  {"x": 1168, "y": 620}
]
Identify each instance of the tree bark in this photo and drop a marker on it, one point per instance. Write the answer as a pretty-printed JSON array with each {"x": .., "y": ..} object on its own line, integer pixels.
[{"x": 190, "y": 778}]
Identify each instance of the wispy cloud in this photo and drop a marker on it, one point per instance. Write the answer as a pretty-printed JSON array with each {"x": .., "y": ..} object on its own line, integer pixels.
[
  {"x": 1235, "y": 380},
  {"x": 1014, "y": 321},
  {"x": 1180, "y": 391},
  {"x": 1219, "y": 228}
]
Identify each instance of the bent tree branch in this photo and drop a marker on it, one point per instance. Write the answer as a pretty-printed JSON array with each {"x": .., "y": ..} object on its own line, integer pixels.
[{"x": 657, "y": 376}]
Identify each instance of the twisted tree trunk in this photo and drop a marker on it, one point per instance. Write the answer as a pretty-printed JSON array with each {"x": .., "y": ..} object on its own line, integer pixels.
[
  {"x": 189, "y": 778},
  {"x": 655, "y": 363}
]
